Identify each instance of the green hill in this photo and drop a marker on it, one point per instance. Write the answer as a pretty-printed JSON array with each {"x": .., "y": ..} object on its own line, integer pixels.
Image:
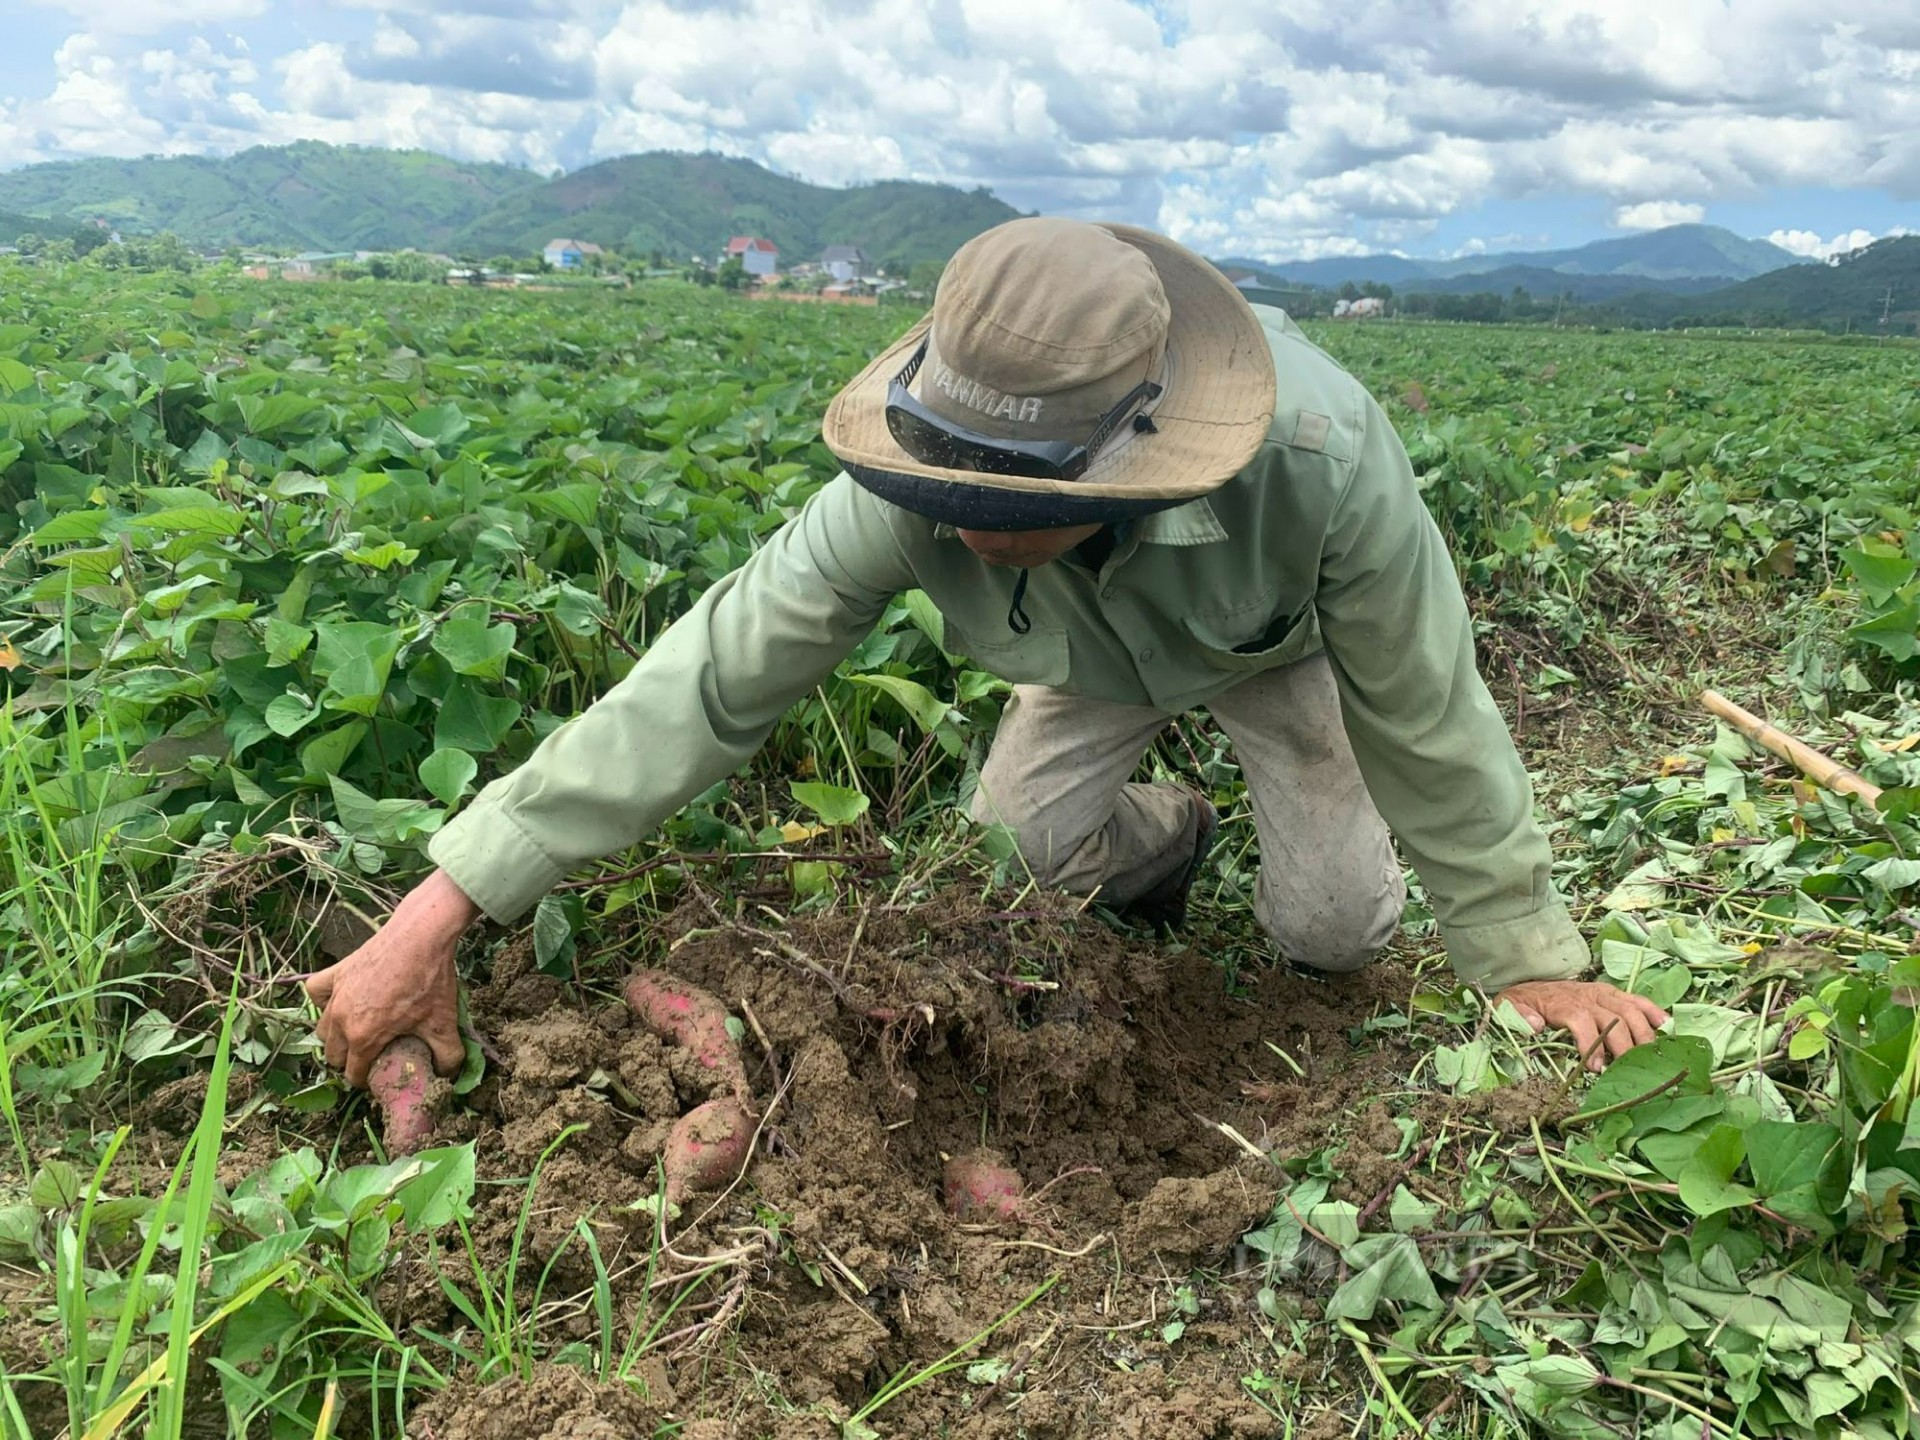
[
  {"x": 13, "y": 225},
  {"x": 303, "y": 196},
  {"x": 688, "y": 205},
  {"x": 1854, "y": 293},
  {"x": 312, "y": 196}
]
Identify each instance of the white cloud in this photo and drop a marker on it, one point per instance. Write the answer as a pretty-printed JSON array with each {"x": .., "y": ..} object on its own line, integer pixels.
[
  {"x": 1316, "y": 128},
  {"x": 142, "y": 17},
  {"x": 1810, "y": 244},
  {"x": 1658, "y": 214}
]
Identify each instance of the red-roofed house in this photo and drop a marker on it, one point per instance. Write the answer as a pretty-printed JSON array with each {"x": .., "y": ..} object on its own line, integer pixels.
[{"x": 761, "y": 257}]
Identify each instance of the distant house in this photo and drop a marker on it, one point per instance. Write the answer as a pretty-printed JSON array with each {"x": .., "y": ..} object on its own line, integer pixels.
[
  {"x": 569, "y": 254},
  {"x": 310, "y": 264},
  {"x": 760, "y": 257},
  {"x": 844, "y": 262}
]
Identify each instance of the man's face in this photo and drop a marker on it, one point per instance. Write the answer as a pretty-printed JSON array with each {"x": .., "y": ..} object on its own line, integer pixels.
[{"x": 1024, "y": 549}]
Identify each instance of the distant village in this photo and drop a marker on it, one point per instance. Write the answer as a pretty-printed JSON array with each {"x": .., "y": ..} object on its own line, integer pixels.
[{"x": 750, "y": 264}]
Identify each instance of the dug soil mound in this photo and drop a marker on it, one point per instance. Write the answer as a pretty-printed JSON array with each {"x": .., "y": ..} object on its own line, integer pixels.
[{"x": 1125, "y": 1084}]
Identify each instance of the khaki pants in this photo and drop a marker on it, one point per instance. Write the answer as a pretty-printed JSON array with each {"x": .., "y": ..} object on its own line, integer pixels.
[{"x": 1330, "y": 889}]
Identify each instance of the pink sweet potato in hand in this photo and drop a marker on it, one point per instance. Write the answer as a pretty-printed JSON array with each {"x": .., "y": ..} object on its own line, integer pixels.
[
  {"x": 402, "y": 1084},
  {"x": 981, "y": 1185},
  {"x": 707, "y": 1147},
  {"x": 686, "y": 1015}
]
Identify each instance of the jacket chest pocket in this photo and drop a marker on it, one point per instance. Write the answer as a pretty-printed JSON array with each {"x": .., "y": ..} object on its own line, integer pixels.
[
  {"x": 1238, "y": 644},
  {"x": 1037, "y": 658}
]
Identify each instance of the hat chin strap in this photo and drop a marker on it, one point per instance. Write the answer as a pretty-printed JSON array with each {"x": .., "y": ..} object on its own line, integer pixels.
[{"x": 1017, "y": 620}]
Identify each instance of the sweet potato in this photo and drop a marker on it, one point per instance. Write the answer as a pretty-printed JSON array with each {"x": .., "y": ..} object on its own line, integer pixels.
[
  {"x": 981, "y": 1185},
  {"x": 686, "y": 1015},
  {"x": 402, "y": 1084},
  {"x": 707, "y": 1147}
]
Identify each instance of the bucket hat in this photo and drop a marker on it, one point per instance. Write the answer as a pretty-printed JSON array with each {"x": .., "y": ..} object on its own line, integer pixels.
[{"x": 1068, "y": 373}]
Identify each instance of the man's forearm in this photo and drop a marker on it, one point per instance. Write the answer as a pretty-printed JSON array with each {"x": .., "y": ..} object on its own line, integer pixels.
[{"x": 701, "y": 701}]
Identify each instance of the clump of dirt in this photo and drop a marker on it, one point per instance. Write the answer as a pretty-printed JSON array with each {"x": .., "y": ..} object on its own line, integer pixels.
[
  {"x": 557, "y": 1403},
  {"x": 1138, "y": 1100}
]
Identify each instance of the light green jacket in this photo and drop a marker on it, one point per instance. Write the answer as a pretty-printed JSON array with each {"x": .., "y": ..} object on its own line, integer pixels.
[{"x": 1322, "y": 542}]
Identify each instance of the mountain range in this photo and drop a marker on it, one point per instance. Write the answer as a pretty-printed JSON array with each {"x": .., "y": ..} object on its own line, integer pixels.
[
  {"x": 1680, "y": 259},
  {"x": 315, "y": 196}
]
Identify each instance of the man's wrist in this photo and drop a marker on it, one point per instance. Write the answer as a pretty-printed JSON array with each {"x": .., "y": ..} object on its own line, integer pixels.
[{"x": 451, "y": 909}]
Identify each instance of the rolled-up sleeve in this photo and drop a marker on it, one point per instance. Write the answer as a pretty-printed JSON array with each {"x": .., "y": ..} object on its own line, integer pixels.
[
  {"x": 698, "y": 704},
  {"x": 1434, "y": 750}
]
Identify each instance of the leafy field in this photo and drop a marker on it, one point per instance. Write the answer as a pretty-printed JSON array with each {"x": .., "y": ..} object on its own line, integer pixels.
[{"x": 286, "y": 573}]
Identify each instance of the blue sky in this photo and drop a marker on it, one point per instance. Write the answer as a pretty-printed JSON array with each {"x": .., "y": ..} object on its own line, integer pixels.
[{"x": 1290, "y": 130}]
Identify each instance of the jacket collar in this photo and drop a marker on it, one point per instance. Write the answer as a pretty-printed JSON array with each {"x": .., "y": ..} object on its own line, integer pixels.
[{"x": 1193, "y": 523}]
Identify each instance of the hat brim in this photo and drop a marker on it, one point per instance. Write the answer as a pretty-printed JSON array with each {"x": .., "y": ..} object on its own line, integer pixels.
[{"x": 1217, "y": 409}]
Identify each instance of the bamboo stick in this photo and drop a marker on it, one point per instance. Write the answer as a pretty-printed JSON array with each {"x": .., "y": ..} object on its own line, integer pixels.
[{"x": 1821, "y": 769}]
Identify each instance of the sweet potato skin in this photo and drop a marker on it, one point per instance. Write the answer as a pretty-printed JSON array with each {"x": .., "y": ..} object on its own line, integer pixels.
[
  {"x": 981, "y": 1185},
  {"x": 707, "y": 1147},
  {"x": 402, "y": 1085},
  {"x": 687, "y": 1016}
]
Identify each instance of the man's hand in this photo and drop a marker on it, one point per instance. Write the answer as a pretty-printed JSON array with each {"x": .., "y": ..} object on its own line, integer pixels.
[
  {"x": 1603, "y": 1021},
  {"x": 401, "y": 982}
]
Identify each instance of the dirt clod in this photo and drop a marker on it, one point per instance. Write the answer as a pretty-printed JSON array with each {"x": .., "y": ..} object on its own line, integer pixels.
[{"x": 558, "y": 1403}]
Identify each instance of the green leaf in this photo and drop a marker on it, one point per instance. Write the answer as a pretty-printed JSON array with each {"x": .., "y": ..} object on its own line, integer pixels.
[
  {"x": 73, "y": 525},
  {"x": 1879, "y": 567},
  {"x": 556, "y": 919},
  {"x": 383, "y": 557},
  {"x": 1803, "y": 1163},
  {"x": 193, "y": 520},
  {"x": 1893, "y": 873},
  {"x": 389, "y": 822},
  {"x": 927, "y": 618},
  {"x": 927, "y": 709},
  {"x": 833, "y": 804},
  {"x": 19, "y": 1228},
  {"x": 14, "y": 377},
  {"x": 1407, "y": 1212},
  {"x": 1893, "y": 631},
  {"x": 442, "y": 424},
  {"x": 578, "y": 502},
  {"x": 1643, "y": 1069},
  {"x": 473, "y": 647},
  {"x": 1706, "y": 1181},
  {"x": 1387, "y": 1269},
  {"x": 473, "y": 721},
  {"x": 55, "y": 1185},
  {"x": 447, "y": 774},
  {"x": 283, "y": 413},
  {"x": 355, "y": 658},
  {"x": 325, "y": 756},
  {"x": 443, "y": 1190},
  {"x": 290, "y": 714},
  {"x": 286, "y": 642}
]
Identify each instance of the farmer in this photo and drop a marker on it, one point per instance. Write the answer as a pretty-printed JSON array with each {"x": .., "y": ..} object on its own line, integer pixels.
[{"x": 1129, "y": 493}]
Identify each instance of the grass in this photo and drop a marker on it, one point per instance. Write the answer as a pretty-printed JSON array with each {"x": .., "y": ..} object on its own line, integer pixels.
[{"x": 60, "y": 921}]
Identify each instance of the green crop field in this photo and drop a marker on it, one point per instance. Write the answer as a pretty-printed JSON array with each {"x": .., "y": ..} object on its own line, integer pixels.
[{"x": 288, "y": 572}]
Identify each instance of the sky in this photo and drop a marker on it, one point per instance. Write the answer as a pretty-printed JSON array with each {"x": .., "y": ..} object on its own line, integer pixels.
[{"x": 1276, "y": 129}]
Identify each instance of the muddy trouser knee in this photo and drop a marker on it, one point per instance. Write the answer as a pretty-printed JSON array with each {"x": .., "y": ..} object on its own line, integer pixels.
[
  {"x": 1330, "y": 891},
  {"x": 1058, "y": 776}
]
